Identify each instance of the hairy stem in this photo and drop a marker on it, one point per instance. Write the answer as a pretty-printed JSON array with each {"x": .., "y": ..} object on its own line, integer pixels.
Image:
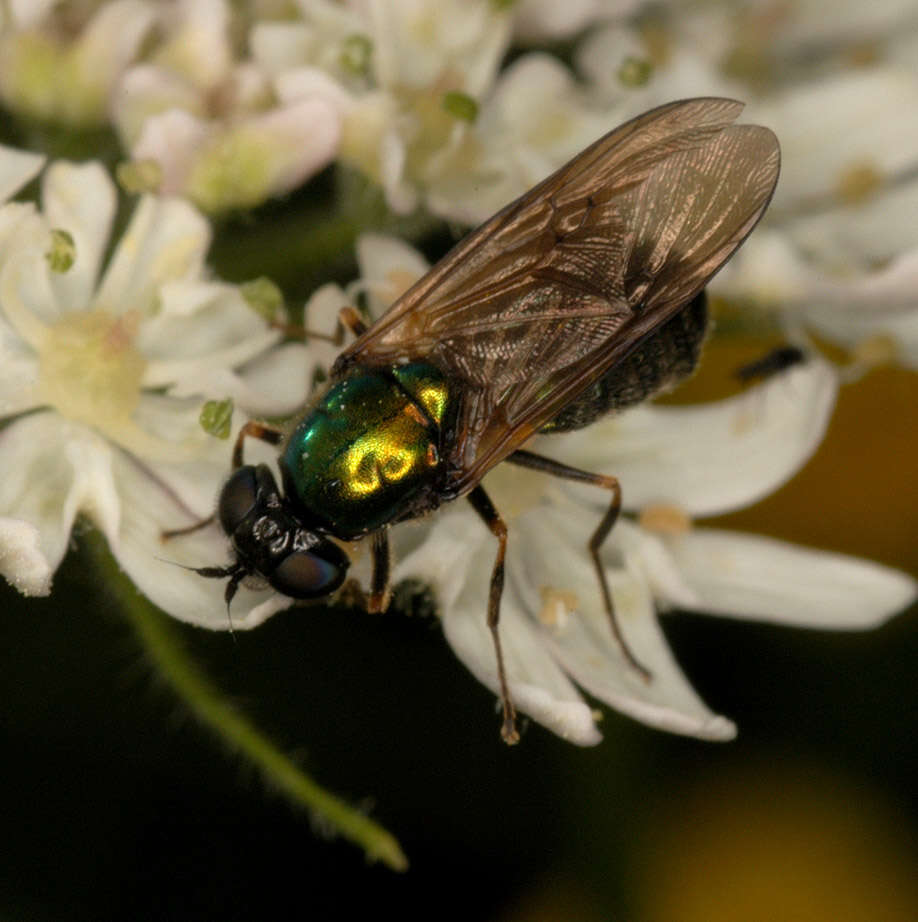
[{"x": 161, "y": 640}]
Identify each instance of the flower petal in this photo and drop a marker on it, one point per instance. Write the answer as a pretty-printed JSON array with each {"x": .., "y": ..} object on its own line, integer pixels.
[
  {"x": 756, "y": 578},
  {"x": 883, "y": 303},
  {"x": 552, "y": 575},
  {"x": 860, "y": 236},
  {"x": 814, "y": 122},
  {"x": 93, "y": 491},
  {"x": 111, "y": 41},
  {"x": 18, "y": 362},
  {"x": 195, "y": 474},
  {"x": 806, "y": 26},
  {"x": 146, "y": 91},
  {"x": 538, "y": 20},
  {"x": 172, "y": 138},
  {"x": 847, "y": 309},
  {"x": 646, "y": 555},
  {"x": 166, "y": 417},
  {"x": 54, "y": 470},
  {"x": 455, "y": 559},
  {"x": 27, "y": 13},
  {"x": 769, "y": 272},
  {"x": 303, "y": 83},
  {"x": 712, "y": 458},
  {"x": 299, "y": 139},
  {"x": 28, "y": 298},
  {"x": 320, "y": 314},
  {"x": 415, "y": 46},
  {"x": 538, "y": 686},
  {"x": 388, "y": 267},
  {"x": 280, "y": 46},
  {"x": 80, "y": 199},
  {"x": 536, "y": 119},
  {"x": 201, "y": 327},
  {"x": 222, "y": 164},
  {"x": 22, "y": 562},
  {"x": 18, "y": 376},
  {"x": 277, "y": 383},
  {"x": 165, "y": 241},
  {"x": 198, "y": 48},
  {"x": 17, "y": 167},
  {"x": 157, "y": 568},
  {"x": 20, "y": 225}
]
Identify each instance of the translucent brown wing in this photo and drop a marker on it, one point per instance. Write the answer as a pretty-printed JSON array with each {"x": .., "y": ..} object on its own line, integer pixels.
[{"x": 544, "y": 298}]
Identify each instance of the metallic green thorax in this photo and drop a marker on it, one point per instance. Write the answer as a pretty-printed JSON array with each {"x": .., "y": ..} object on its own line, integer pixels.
[{"x": 368, "y": 449}]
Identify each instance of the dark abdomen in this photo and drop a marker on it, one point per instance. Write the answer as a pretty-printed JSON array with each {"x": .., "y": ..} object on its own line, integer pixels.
[{"x": 660, "y": 362}]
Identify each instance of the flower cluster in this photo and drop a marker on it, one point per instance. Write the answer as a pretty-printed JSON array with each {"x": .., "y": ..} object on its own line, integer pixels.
[{"x": 105, "y": 367}]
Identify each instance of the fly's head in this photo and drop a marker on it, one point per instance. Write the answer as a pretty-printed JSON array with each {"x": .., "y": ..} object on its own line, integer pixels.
[{"x": 271, "y": 542}]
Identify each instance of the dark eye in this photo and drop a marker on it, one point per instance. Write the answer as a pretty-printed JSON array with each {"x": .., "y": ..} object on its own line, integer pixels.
[
  {"x": 310, "y": 574},
  {"x": 237, "y": 498}
]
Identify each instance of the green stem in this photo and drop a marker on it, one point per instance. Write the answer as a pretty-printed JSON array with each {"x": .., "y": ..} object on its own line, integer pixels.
[{"x": 162, "y": 642}]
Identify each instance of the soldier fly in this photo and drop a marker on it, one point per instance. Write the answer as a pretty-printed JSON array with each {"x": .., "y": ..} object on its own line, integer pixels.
[{"x": 582, "y": 297}]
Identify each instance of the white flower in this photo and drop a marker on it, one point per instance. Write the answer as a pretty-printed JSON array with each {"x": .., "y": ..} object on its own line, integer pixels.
[
  {"x": 806, "y": 32},
  {"x": 408, "y": 99},
  {"x": 328, "y": 35},
  {"x": 536, "y": 119},
  {"x": 213, "y": 124},
  {"x": 675, "y": 464},
  {"x": 23, "y": 14},
  {"x": 630, "y": 69},
  {"x": 20, "y": 554},
  {"x": 57, "y": 66},
  {"x": 839, "y": 250},
  {"x": 102, "y": 379},
  {"x": 538, "y": 20}
]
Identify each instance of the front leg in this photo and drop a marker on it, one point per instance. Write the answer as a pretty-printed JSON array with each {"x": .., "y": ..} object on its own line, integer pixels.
[
  {"x": 270, "y": 434},
  {"x": 376, "y": 601},
  {"x": 382, "y": 566},
  {"x": 256, "y": 430}
]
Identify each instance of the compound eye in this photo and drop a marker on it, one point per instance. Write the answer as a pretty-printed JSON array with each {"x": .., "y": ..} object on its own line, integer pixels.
[
  {"x": 237, "y": 498},
  {"x": 310, "y": 574}
]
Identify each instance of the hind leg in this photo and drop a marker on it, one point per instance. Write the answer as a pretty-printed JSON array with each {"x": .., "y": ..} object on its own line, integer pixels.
[{"x": 556, "y": 469}]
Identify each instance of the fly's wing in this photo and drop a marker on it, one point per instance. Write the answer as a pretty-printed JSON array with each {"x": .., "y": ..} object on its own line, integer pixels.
[{"x": 539, "y": 302}]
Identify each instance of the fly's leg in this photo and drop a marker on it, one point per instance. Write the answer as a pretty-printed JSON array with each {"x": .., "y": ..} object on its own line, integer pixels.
[
  {"x": 376, "y": 601},
  {"x": 253, "y": 429},
  {"x": 556, "y": 469},
  {"x": 347, "y": 317},
  {"x": 482, "y": 504},
  {"x": 382, "y": 565},
  {"x": 188, "y": 530},
  {"x": 298, "y": 331}
]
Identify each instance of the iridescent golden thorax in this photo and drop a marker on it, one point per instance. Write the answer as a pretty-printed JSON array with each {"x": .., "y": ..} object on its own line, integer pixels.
[{"x": 369, "y": 450}]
